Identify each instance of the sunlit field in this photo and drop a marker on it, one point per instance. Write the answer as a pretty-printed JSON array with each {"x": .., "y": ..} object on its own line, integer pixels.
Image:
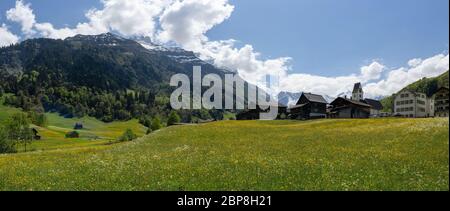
[
  {"x": 376, "y": 154},
  {"x": 94, "y": 133}
]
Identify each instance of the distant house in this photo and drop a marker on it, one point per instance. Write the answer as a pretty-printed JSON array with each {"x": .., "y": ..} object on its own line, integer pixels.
[
  {"x": 413, "y": 105},
  {"x": 254, "y": 114},
  {"x": 309, "y": 106},
  {"x": 78, "y": 126},
  {"x": 376, "y": 108},
  {"x": 36, "y": 135},
  {"x": 348, "y": 108},
  {"x": 441, "y": 101}
]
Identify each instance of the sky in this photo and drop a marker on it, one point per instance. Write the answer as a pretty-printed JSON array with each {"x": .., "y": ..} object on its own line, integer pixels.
[{"x": 322, "y": 46}]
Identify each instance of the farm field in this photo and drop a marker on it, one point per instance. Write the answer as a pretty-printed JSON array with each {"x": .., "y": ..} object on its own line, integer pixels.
[{"x": 372, "y": 154}]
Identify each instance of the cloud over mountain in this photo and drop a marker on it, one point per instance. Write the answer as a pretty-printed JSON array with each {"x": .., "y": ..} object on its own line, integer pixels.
[
  {"x": 6, "y": 37},
  {"x": 186, "y": 23}
]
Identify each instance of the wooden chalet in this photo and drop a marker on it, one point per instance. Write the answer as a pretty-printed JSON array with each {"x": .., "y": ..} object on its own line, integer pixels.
[
  {"x": 347, "y": 108},
  {"x": 309, "y": 106}
]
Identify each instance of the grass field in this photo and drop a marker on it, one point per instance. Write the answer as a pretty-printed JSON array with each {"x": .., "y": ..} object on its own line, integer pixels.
[
  {"x": 94, "y": 133},
  {"x": 376, "y": 154}
]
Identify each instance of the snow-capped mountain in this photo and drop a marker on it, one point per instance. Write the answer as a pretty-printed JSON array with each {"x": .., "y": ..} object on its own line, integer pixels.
[{"x": 176, "y": 53}]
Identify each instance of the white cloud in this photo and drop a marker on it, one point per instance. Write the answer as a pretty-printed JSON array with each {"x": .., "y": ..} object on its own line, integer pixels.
[
  {"x": 187, "y": 21},
  {"x": 372, "y": 72},
  {"x": 394, "y": 81},
  {"x": 399, "y": 78},
  {"x": 127, "y": 17},
  {"x": 414, "y": 62},
  {"x": 6, "y": 37},
  {"x": 22, "y": 14},
  {"x": 47, "y": 30}
]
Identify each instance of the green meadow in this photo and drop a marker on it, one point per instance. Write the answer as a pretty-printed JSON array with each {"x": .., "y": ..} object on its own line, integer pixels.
[
  {"x": 94, "y": 133},
  {"x": 371, "y": 154}
]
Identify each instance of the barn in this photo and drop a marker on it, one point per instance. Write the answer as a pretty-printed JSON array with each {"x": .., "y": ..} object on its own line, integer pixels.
[{"x": 309, "y": 106}]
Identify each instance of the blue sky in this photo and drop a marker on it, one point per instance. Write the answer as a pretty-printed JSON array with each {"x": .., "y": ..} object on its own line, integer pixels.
[
  {"x": 324, "y": 38},
  {"x": 332, "y": 37}
]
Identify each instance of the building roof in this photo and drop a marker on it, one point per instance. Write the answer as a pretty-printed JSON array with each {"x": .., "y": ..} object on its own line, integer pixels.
[
  {"x": 354, "y": 102},
  {"x": 410, "y": 91},
  {"x": 298, "y": 106},
  {"x": 357, "y": 87},
  {"x": 375, "y": 104},
  {"x": 315, "y": 98},
  {"x": 442, "y": 88}
]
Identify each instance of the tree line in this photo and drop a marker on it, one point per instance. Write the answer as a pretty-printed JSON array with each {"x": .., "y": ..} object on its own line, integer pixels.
[{"x": 44, "y": 91}]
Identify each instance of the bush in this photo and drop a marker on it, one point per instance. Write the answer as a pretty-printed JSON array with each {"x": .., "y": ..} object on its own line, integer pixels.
[
  {"x": 39, "y": 119},
  {"x": 147, "y": 122},
  {"x": 174, "y": 118},
  {"x": 128, "y": 136},
  {"x": 149, "y": 130},
  {"x": 73, "y": 134},
  {"x": 156, "y": 124}
]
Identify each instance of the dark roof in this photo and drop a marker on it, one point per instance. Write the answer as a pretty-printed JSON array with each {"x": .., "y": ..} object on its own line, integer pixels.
[
  {"x": 354, "y": 102},
  {"x": 298, "y": 106},
  {"x": 357, "y": 87},
  {"x": 442, "y": 88},
  {"x": 315, "y": 98},
  {"x": 375, "y": 104}
]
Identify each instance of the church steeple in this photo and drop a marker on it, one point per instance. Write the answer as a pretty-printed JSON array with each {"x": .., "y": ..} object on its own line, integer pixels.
[{"x": 358, "y": 93}]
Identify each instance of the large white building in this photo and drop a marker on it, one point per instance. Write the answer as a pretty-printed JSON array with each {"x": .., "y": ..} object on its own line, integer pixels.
[{"x": 413, "y": 105}]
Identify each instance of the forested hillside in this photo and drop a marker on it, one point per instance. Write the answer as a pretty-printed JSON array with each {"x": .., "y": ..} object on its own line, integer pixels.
[{"x": 103, "y": 76}]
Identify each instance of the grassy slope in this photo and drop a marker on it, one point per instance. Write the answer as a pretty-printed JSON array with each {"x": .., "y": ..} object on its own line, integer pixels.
[
  {"x": 95, "y": 132},
  {"x": 378, "y": 154}
]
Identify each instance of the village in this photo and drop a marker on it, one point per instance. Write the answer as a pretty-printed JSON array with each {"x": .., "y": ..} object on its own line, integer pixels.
[{"x": 407, "y": 104}]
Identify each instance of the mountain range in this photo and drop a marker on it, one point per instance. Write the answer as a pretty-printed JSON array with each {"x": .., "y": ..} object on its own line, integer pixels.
[
  {"x": 112, "y": 78},
  {"x": 290, "y": 98},
  {"x": 79, "y": 75}
]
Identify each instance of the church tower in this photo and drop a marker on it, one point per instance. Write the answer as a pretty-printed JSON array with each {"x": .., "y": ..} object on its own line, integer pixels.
[{"x": 358, "y": 93}]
